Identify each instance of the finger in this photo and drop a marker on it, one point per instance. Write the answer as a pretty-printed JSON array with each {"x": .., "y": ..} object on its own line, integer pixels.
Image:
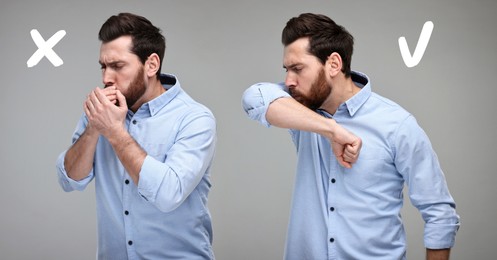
[
  {"x": 93, "y": 100},
  {"x": 101, "y": 95},
  {"x": 351, "y": 153},
  {"x": 357, "y": 145},
  {"x": 89, "y": 103},
  {"x": 110, "y": 93},
  {"x": 112, "y": 98},
  {"x": 88, "y": 107},
  {"x": 121, "y": 99},
  {"x": 110, "y": 87},
  {"x": 340, "y": 156},
  {"x": 348, "y": 158},
  {"x": 354, "y": 148},
  {"x": 344, "y": 163}
]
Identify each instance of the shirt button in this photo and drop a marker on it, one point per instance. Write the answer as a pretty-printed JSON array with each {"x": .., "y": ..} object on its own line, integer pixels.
[
  {"x": 126, "y": 212},
  {"x": 332, "y": 240},
  {"x": 130, "y": 242},
  {"x": 331, "y": 209},
  {"x": 126, "y": 181},
  {"x": 134, "y": 122},
  {"x": 333, "y": 180}
]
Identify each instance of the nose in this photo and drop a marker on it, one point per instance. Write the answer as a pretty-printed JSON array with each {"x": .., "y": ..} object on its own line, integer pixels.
[
  {"x": 108, "y": 78},
  {"x": 290, "y": 81}
]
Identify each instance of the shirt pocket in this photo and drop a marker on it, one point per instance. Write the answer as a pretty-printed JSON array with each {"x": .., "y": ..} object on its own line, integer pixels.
[
  {"x": 156, "y": 150},
  {"x": 368, "y": 170}
]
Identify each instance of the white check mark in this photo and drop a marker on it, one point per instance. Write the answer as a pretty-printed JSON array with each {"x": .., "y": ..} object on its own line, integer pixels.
[{"x": 424, "y": 38}]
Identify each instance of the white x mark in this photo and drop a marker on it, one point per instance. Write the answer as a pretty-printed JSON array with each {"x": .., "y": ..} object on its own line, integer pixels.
[{"x": 45, "y": 48}]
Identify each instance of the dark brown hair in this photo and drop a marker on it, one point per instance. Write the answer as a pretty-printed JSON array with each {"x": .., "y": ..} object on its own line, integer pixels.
[
  {"x": 146, "y": 38},
  {"x": 325, "y": 37}
]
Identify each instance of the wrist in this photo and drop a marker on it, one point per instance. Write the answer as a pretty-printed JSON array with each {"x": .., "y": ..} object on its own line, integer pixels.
[
  {"x": 330, "y": 128},
  {"x": 117, "y": 136},
  {"x": 91, "y": 131}
]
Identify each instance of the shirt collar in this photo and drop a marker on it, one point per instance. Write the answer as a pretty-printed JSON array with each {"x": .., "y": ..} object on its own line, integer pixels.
[
  {"x": 173, "y": 88},
  {"x": 355, "y": 102}
]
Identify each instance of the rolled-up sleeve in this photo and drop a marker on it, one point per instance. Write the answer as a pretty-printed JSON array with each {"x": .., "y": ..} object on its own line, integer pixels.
[
  {"x": 167, "y": 184},
  {"x": 257, "y": 98},
  {"x": 428, "y": 190},
  {"x": 65, "y": 181}
]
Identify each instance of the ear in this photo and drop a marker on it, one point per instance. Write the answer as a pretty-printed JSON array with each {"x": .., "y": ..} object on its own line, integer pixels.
[
  {"x": 152, "y": 65},
  {"x": 334, "y": 64}
]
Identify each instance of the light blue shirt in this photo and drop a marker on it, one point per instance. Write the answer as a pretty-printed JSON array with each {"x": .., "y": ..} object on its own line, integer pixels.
[
  {"x": 340, "y": 213},
  {"x": 166, "y": 215}
]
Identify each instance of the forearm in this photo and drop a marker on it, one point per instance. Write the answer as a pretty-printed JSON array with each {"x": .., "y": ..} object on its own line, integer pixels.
[
  {"x": 437, "y": 254},
  {"x": 129, "y": 153},
  {"x": 78, "y": 161},
  {"x": 288, "y": 113},
  {"x": 271, "y": 105}
]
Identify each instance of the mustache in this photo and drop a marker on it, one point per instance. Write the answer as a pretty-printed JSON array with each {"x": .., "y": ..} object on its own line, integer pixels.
[{"x": 297, "y": 96}]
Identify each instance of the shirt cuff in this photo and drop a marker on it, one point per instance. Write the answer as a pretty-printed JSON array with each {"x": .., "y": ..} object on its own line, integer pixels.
[{"x": 440, "y": 236}]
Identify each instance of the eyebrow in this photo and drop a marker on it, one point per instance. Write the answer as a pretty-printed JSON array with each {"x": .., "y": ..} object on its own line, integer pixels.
[
  {"x": 292, "y": 66},
  {"x": 110, "y": 63}
]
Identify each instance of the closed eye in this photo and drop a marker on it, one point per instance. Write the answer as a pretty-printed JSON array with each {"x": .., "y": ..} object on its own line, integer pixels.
[
  {"x": 294, "y": 69},
  {"x": 112, "y": 65}
]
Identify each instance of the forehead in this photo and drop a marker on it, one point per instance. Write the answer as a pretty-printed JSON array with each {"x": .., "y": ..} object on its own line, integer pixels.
[
  {"x": 117, "y": 50},
  {"x": 297, "y": 53}
]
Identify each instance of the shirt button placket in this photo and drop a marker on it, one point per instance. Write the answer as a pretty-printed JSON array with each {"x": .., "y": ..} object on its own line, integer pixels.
[
  {"x": 127, "y": 183},
  {"x": 332, "y": 193},
  {"x": 128, "y": 232},
  {"x": 332, "y": 209}
]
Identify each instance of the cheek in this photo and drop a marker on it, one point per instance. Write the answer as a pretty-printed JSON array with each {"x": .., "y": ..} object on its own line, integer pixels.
[
  {"x": 307, "y": 82},
  {"x": 123, "y": 82},
  {"x": 305, "y": 87}
]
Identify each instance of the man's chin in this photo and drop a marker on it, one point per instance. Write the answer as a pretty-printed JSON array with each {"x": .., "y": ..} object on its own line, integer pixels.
[{"x": 298, "y": 98}]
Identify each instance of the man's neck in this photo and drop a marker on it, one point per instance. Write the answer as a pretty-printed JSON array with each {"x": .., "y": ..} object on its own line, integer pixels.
[
  {"x": 154, "y": 90},
  {"x": 342, "y": 90}
]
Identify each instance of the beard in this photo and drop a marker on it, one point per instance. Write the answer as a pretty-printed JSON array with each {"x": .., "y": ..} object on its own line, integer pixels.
[
  {"x": 320, "y": 90},
  {"x": 136, "y": 89}
]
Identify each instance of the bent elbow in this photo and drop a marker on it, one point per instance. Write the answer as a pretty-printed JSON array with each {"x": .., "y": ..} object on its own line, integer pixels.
[
  {"x": 252, "y": 98},
  {"x": 168, "y": 200},
  {"x": 169, "y": 206}
]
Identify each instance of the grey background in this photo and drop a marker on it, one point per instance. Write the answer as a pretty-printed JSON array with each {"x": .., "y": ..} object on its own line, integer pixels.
[{"x": 217, "y": 49}]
